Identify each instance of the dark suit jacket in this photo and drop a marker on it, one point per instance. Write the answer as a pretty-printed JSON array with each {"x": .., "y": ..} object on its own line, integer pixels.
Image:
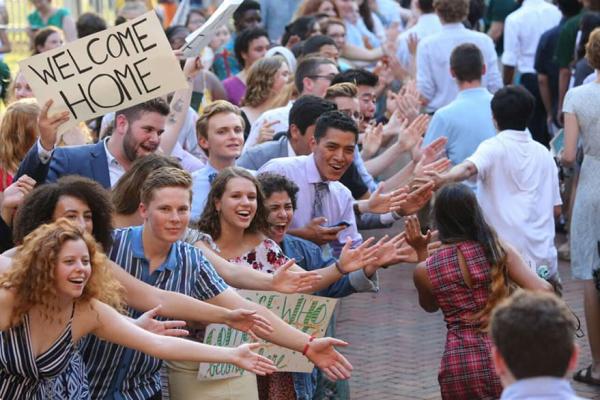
[{"x": 88, "y": 160}]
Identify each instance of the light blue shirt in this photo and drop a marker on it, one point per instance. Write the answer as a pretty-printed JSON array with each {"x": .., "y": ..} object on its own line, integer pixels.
[
  {"x": 543, "y": 388},
  {"x": 466, "y": 122},
  {"x": 362, "y": 171},
  {"x": 200, "y": 188}
]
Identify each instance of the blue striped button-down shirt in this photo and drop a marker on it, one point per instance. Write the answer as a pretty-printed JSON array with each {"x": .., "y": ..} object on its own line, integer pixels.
[{"x": 115, "y": 372}]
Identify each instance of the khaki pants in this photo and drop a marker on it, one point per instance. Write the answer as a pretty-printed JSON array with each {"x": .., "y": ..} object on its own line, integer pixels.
[{"x": 183, "y": 385}]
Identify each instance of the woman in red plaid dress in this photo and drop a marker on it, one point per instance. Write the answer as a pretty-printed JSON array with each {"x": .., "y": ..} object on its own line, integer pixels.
[{"x": 465, "y": 278}]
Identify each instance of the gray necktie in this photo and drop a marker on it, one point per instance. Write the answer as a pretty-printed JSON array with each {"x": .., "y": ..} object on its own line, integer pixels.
[{"x": 321, "y": 190}]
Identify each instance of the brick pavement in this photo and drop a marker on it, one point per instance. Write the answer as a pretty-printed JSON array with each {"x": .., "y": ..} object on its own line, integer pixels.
[{"x": 396, "y": 347}]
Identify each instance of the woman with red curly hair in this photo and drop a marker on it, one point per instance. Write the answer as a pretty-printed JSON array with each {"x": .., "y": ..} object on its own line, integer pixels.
[{"x": 58, "y": 290}]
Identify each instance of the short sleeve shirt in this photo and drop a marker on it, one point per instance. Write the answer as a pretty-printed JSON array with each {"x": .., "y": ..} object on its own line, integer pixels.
[
  {"x": 517, "y": 188},
  {"x": 115, "y": 371}
]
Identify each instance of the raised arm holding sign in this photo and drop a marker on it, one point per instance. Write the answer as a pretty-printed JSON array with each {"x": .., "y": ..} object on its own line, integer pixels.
[{"x": 202, "y": 36}]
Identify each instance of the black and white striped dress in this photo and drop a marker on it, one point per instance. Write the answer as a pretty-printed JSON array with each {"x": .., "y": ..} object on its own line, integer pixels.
[{"x": 57, "y": 373}]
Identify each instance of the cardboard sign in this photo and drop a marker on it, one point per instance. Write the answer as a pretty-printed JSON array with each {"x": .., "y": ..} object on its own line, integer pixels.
[
  {"x": 310, "y": 314},
  {"x": 108, "y": 71},
  {"x": 201, "y": 37}
]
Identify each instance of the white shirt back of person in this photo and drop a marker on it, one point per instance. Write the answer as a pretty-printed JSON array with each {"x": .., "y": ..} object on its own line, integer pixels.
[
  {"x": 434, "y": 80},
  {"x": 517, "y": 189},
  {"x": 523, "y": 29}
]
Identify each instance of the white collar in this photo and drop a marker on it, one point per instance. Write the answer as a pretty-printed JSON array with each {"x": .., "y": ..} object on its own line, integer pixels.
[{"x": 109, "y": 157}]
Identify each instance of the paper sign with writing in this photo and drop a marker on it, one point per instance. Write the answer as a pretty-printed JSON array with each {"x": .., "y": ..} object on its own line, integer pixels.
[
  {"x": 310, "y": 314},
  {"x": 108, "y": 71},
  {"x": 201, "y": 37}
]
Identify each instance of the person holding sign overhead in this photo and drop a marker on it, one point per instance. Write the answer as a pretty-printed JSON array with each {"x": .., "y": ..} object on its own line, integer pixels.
[{"x": 137, "y": 132}]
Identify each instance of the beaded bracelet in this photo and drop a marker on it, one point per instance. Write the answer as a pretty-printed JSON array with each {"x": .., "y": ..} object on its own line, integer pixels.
[{"x": 306, "y": 345}]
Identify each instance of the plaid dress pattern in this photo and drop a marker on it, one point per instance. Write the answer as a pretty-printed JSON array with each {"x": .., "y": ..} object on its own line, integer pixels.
[{"x": 466, "y": 370}]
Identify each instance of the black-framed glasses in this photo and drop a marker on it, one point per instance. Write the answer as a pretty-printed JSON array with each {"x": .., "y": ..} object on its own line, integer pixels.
[{"x": 326, "y": 77}]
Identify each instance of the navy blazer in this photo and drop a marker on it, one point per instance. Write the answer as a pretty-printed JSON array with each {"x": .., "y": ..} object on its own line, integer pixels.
[{"x": 88, "y": 160}]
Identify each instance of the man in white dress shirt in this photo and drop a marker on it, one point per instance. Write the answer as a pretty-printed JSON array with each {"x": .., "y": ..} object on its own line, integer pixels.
[
  {"x": 517, "y": 183},
  {"x": 523, "y": 29},
  {"x": 318, "y": 174},
  {"x": 427, "y": 24},
  {"x": 434, "y": 81}
]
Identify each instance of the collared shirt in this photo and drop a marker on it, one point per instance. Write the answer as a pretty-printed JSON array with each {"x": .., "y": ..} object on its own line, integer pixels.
[
  {"x": 336, "y": 205},
  {"x": 522, "y": 31},
  {"x": 280, "y": 114},
  {"x": 291, "y": 152},
  {"x": 517, "y": 189},
  {"x": 115, "y": 170},
  {"x": 201, "y": 184},
  {"x": 427, "y": 25},
  {"x": 464, "y": 134},
  {"x": 542, "y": 388},
  {"x": 433, "y": 64},
  {"x": 117, "y": 372}
]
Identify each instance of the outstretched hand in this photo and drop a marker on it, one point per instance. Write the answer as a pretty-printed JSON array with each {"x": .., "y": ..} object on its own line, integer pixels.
[
  {"x": 417, "y": 198},
  {"x": 324, "y": 355},
  {"x": 287, "y": 281},
  {"x": 415, "y": 238},
  {"x": 381, "y": 203},
  {"x": 244, "y": 357},
  {"x": 13, "y": 196},
  {"x": 249, "y": 321},
  {"x": 372, "y": 139},
  {"x": 411, "y": 136},
  {"x": 148, "y": 322},
  {"x": 354, "y": 259}
]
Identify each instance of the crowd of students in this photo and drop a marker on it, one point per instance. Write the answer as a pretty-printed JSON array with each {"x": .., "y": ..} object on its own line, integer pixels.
[{"x": 303, "y": 125}]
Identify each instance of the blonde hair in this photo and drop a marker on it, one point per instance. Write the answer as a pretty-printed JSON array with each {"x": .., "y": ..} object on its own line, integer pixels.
[
  {"x": 18, "y": 132},
  {"x": 592, "y": 49},
  {"x": 32, "y": 276},
  {"x": 260, "y": 82},
  {"x": 344, "y": 89},
  {"x": 165, "y": 177},
  {"x": 214, "y": 108}
]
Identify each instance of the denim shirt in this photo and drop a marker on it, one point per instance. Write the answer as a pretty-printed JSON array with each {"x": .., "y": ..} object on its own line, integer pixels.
[{"x": 309, "y": 256}]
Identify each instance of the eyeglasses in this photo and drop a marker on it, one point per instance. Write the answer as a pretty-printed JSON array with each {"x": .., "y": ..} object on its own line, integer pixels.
[
  {"x": 356, "y": 115},
  {"x": 326, "y": 77}
]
